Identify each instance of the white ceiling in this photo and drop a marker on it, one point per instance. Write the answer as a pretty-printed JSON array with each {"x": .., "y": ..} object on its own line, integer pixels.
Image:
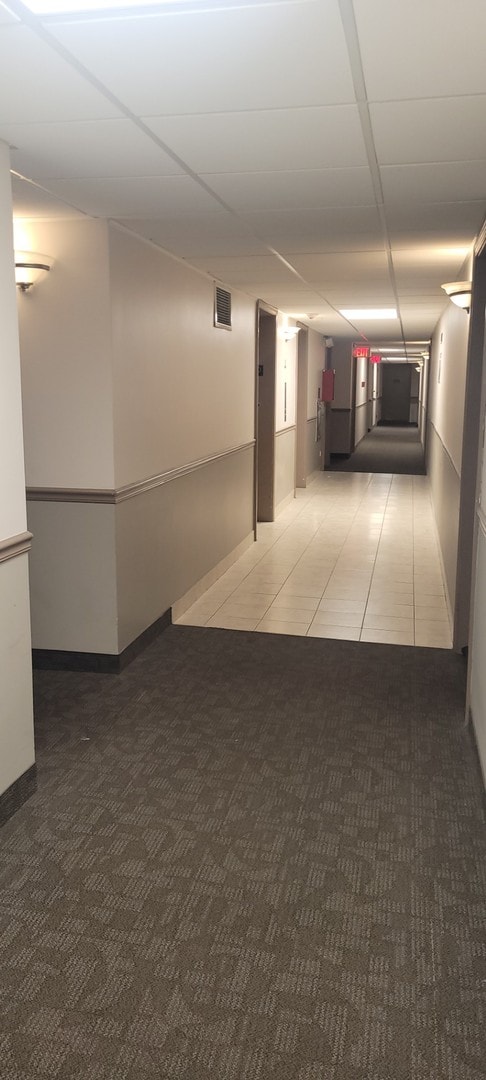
[{"x": 317, "y": 154}]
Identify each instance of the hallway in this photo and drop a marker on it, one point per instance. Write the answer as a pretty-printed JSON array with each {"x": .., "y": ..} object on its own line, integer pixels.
[
  {"x": 385, "y": 449},
  {"x": 354, "y": 556}
]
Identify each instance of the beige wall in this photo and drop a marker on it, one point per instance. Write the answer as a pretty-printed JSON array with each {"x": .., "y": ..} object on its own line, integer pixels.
[
  {"x": 183, "y": 390},
  {"x": 446, "y": 390},
  {"x": 65, "y": 342},
  {"x": 128, "y": 383},
  {"x": 16, "y": 724}
]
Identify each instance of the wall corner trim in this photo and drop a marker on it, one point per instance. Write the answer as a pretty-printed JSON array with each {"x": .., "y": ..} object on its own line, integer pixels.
[{"x": 15, "y": 545}]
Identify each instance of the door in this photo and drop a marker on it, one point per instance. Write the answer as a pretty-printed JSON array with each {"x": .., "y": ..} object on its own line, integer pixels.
[
  {"x": 265, "y": 427},
  {"x": 396, "y": 393}
]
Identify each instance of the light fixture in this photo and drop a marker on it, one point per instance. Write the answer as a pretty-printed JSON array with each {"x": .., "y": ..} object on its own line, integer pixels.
[
  {"x": 459, "y": 292},
  {"x": 290, "y": 332},
  {"x": 368, "y": 313},
  {"x": 29, "y": 267}
]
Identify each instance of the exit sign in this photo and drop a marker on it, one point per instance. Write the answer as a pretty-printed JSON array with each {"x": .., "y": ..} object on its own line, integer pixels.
[
  {"x": 361, "y": 350},
  {"x": 375, "y": 358}
]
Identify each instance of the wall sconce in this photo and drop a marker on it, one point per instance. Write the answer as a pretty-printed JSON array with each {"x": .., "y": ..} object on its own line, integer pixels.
[
  {"x": 459, "y": 292},
  {"x": 29, "y": 267},
  {"x": 290, "y": 332}
]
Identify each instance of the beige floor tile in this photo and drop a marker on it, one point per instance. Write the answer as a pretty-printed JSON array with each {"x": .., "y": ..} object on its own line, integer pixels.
[
  {"x": 192, "y": 620},
  {"x": 273, "y": 626},
  {"x": 345, "y": 592},
  {"x": 246, "y": 609},
  {"x": 355, "y": 607},
  {"x": 289, "y": 614},
  {"x": 432, "y": 626},
  {"x": 292, "y": 588},
  {"x": 430, "y": 614},
  {"x": 387, "y": 637},
  {"x": 433, "y": 641},
  {"x": 387, "y": 622},
  {"x": 379, "y": 595},
  {"x": 291, "y": 600},
  {"x": 229, "y": 623},
  {"x": 347, "y": 633},
  {"x": 338, "y": 618},
  {"x": 385, "y": 607}
]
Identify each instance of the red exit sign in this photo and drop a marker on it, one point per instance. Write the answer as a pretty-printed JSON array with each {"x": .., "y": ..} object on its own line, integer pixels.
[
  {"x": 375, "y": 358},
  {"x": 361, "y": 350}
]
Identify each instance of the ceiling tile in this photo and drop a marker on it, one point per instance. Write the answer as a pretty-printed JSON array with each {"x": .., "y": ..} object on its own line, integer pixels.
[
  {"x": 30, "y": 201},
  {"x": 422, "y": 50},
  {"x": 36, "y": 84},
  {"x": 342, "y": 267},
  {"x": 443, "y": 129},
  {"x": 83, "y": 149},
  {"x": 259, "y": 57},
  {"x": 265, "y": 140},
  {"x": 135, "y": 197},
  {"x": 286, "y": 190},
  {"x": 202, "y": 235},
  {"x": 353, "y": 228},
  {"x": 239, "y": 271},
  {"x": 442, "y": 182}
]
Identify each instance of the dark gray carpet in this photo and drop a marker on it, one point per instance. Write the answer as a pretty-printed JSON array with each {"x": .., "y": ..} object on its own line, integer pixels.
[
  {"x": 249, "y": 857},
  {"x": 387, "y": 449}
]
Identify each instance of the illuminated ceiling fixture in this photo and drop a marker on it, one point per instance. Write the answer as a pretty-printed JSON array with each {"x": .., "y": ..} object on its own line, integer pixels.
[
  {"x": 290, "y": 332},
  {"x": 29, "y": 267},
  {"x": 459, "y": 292},
  {"x": 368, "y": 313},
  {"x": 76, "y": 7}
]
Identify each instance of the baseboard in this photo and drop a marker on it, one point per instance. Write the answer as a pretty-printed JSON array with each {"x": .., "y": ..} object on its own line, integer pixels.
[
  {"x": 17, "y": 794},
  {"x": 103, "y": 663}
]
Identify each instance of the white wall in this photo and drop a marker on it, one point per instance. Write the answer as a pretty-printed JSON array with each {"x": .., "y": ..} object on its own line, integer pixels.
[
  {"x": 16, "y": 723},
  {"x": 65, "y": 342}
]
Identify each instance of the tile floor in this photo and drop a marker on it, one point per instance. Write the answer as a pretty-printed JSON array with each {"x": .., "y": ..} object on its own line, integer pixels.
[{"x": 353, "y": 556}]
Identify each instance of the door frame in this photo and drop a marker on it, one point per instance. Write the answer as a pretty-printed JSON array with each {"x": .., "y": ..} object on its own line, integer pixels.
[
  {"x": 265, "y": 310},
  {"x": 472, "y": 440}
]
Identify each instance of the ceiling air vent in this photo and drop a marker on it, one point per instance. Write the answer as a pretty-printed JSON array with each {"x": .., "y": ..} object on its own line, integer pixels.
[{"x": 222, "y": 308}]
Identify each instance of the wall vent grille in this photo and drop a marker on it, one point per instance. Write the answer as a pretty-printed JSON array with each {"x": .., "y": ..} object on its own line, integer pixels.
[{"x": 222, "y": 308}]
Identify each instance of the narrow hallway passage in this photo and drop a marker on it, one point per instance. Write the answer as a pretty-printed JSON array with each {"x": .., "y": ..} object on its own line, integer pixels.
[
  {"x": 354, "y": 556},
  {"x": 387, "y": 448}
]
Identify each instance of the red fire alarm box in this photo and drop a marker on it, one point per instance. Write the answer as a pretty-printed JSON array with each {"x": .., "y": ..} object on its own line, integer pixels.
[{"x": 327, "y": 387}]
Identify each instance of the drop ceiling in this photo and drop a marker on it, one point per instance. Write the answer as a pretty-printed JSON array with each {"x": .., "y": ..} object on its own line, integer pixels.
[{"x": 317, "y": 154}]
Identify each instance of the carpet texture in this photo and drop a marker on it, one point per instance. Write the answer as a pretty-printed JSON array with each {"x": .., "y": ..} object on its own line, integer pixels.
[
  {"x": 249, "y": 857},
  {"x": 385, "y": 449}
]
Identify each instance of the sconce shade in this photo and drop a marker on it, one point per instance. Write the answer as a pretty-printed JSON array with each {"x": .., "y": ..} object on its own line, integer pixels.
[
  {"x": 459, "y": 292},
  {"x": 29, "y": 267}
]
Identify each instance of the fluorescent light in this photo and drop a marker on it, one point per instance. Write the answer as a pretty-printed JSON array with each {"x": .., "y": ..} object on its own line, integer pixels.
[
  {"x": 78, "y": 7},
  {"x": 368, "y": 313}
]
